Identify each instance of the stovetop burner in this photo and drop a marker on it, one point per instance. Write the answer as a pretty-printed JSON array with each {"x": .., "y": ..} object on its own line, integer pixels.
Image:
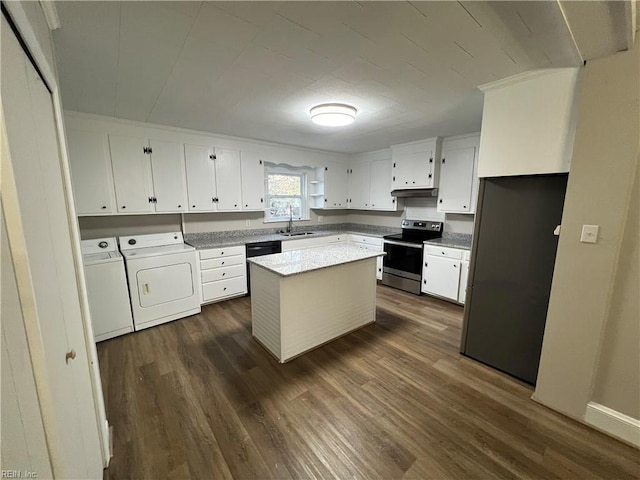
[{"x": 417, "y": 231}]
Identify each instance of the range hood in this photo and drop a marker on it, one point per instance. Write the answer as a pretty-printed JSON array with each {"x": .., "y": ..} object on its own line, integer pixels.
[{"x": 415, "y": 192}]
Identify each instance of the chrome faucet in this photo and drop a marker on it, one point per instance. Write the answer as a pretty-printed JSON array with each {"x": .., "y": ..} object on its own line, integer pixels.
[{"x": 290, "y": 225}]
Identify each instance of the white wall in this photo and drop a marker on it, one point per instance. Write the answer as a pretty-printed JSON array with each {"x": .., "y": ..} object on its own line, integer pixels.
[
  {"x": 584, "y": 287},
  {"x": 528, "y": 123}
]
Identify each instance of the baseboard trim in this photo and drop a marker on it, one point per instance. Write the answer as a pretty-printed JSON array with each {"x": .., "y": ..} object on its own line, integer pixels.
[{"x": 613, "y": 422}]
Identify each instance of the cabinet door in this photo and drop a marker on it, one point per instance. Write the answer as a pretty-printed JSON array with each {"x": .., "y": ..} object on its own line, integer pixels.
[
  {"x": 418, "y": 170},
  {"x": 441, "y": 276},
  {"x": 358, "y": 181},
  {"x": 201, "y": 182},
  {"x": 464, "y": 277},
  {"x": 252, "y": 173},
  {"x": 131, "y": 174},
  {"x": 335, "y": 187},
  {"x": 380, "y": 186},
  {"x": 456, "y": 180},
  {"x": 169, "y": 182},
  {"x": 91, "y": 172},
  {"x": 228, "y": 181}
]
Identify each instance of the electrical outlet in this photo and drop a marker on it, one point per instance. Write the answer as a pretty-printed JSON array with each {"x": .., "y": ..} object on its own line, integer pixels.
[
  {"x": 319, "y": 218},
  {"x": 589, "y": 234},
  {"x": 248, "y": 223}
]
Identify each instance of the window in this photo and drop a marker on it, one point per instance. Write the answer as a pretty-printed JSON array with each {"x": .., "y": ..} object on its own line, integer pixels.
[{"x": 286, "y": 195}]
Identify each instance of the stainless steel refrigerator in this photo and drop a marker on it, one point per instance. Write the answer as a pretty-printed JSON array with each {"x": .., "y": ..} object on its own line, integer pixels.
[{"x": 513, "y": 257}]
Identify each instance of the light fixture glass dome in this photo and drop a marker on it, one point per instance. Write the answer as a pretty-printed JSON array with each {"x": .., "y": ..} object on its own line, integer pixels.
[{"x": 333, "y": 114}]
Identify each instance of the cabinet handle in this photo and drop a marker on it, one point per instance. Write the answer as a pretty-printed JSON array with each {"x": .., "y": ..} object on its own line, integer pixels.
[
  {"x": 246, "y": 206},
  {"x": 224, "y": 289},
  {"x": 179, "y": 206},
  {"x": 222, "y": 263},
  {"x": 223, "y": 274},
  {"x": 425, "y": 264},
  {"x": 443, "y": 160},
  {"x": 394, "y": 179},
  {"x": 430, "y": 175},
  {"x": 235, "y": 205},
  {"x": 431, "y": 160},
  {"x": 425, "y": 281},
  {"x": 124, "y": 206},
  {"x": 464, "y": 206},
  {"x": 104, "y": 207},
  {"x": 440, "y": 200},
  {"x": 455, "y": 266},
  {"x": 413, "y": 182},
  {"x": 193, "y": 206}
]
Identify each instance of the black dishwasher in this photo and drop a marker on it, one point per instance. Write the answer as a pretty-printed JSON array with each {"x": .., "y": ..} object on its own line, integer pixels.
[{"x": 258, "y": 249}]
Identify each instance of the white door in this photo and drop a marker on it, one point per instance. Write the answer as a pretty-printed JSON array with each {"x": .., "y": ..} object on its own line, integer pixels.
[
  {"x": 380, "y": 186},
  {"x": 131, "y": 174},
  {"x": 456, "y": 180},
  {"x": 359, "y": 178},
  {"x": 252, "y": 173},
  {"x": 335, "y": 187},
  {"x": 91, "y": 172},
  {"x": 441, "y": 277},
  {"x": 169, "y": 178},
  {"x": 201, "y": 180},
  {"x": 42, "y": 208},
  {"x": 228, "y": 181}
]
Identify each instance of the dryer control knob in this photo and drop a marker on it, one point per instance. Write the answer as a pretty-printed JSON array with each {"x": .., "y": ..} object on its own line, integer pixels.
[
  {"x": 103, "y": 244},
  {"x": 132, "y": 241}
]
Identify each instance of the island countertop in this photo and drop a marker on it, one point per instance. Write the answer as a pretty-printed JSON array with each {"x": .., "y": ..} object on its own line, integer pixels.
[{"x": 315, "y": 258}]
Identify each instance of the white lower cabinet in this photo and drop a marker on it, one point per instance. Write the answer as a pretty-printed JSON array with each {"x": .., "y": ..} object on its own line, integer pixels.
[
  {"x": 444, "y": 272},
  {"x": 312, "y": 241},
  {"x": 223, "y": 273},
  {"x": 370, "y": 243}
]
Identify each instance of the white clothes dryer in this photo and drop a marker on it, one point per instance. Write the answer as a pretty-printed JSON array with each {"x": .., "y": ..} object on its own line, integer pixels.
[
  {"x": 163, "y": 278},
  {"x": 106, "y": 288}
]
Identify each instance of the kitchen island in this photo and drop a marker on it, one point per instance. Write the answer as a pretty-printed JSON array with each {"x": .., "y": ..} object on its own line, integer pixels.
[{"x": 304, "y": 298}]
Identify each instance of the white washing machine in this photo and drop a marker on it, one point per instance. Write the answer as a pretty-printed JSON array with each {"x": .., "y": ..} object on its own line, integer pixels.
[
  {"x": 163, "y": 278},
  {"x": 106, "y": 288}
]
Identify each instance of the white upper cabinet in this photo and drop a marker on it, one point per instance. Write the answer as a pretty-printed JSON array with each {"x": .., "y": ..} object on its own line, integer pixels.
[
  {"x": 91, "y": 172},
  {"x": 359, "y": 180},
  {"x": 131, "y": 174},
  {"x": 169, "y": 181},
  {"x": 458, "y": 175},
  {"x": 252, "y": 173},
  {"x": 380, "y": 186},
  {"x": 148, "y": 175},
  {"x": 416, "y": 164},
  {"x": 213, "y": 179},
  {"x": 201, "y": 179},
  {"x": 228, "y": 181},
  {"x": 335, "y": 187}
]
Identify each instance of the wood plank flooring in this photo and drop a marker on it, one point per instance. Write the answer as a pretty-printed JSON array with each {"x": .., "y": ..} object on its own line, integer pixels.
[{"x": 198, "y": 398}]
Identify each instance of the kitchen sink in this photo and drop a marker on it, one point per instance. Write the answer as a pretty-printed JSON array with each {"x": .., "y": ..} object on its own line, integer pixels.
[{"x": 297, "y": 234}]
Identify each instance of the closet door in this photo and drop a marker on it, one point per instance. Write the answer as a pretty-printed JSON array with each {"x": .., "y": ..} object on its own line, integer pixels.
[{"x": 45, "y": 235}]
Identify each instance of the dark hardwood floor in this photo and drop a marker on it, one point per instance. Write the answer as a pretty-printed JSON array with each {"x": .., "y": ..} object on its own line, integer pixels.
[{"x": 198, "y": 398}]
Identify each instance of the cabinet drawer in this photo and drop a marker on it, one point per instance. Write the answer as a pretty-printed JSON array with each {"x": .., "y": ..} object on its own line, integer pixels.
[
  {"x": 222, "y": 262},
  {"x": 443, "y": 252},
  {"x": 222, "y": 273},
  {"x": 335, "y": 238},
  {"x": 361, "y": 239},
  {"x": 224, "y": 288},
  {"x": 221, "y": 252}
]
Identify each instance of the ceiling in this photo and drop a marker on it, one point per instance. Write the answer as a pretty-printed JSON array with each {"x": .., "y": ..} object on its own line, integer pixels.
[{"x": 253, "y": 69}]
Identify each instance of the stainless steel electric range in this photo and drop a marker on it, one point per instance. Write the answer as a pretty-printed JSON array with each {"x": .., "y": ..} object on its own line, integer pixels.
[{"x": 402, "y": 264}]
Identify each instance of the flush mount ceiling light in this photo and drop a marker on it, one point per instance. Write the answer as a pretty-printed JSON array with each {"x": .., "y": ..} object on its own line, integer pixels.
[{"x": 333, "y": 114}]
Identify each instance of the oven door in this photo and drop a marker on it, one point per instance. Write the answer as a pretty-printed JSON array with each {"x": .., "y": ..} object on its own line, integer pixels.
[{"x": 403, "y": 259}]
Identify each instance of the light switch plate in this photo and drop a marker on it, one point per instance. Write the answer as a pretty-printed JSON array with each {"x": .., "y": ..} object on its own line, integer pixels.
[
  {"x": 589, "y": 233},
  {"x": 248, "y": 223}
]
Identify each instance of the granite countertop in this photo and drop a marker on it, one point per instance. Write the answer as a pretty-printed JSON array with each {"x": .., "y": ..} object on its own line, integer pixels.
[
  {"x": 462, "y": 241},
  {"x": 315, "y": 258},
  {"x": 241, "y": 237}
]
